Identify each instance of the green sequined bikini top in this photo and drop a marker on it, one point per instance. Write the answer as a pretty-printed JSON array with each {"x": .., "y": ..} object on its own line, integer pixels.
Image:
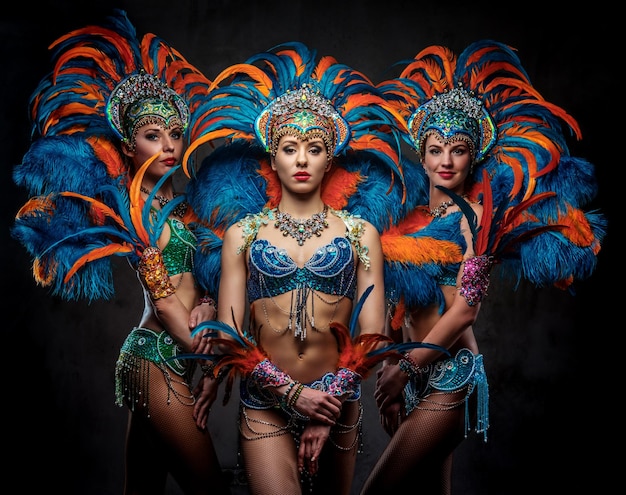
[{"x": 179, "y": 252}]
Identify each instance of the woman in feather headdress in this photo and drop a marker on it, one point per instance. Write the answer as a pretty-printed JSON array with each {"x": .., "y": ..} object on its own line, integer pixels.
[
  {"x": 500, "y": 188},
  {"x": 109, "y": 132},
  {"x": 305, "y": 140}
]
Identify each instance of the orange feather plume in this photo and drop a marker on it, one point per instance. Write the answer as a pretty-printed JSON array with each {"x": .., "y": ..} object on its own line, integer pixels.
[
  {"x": 338, "y": 186},
  {"x": 121, "y": 44},
  {"x": 419, "y": 251},
  {"x": 96, "y": 254},
  {"x": 354, "y": 354},
  {"x": 264, "y": 83},
  {"x": 36, "y": 205},
  {"x": 44, "y": 271},
  {"x": 577, "y": 228},
  {"x": 272, "y": 189},
  {"x": 137, "y": 203},
  {"x": 109, "y": 154},
  {"x": 221, "y": 133}
]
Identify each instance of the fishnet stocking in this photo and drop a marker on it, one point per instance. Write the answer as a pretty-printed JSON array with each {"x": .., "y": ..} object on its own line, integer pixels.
[
  {"x": 168, "y": 441},
  {"x": 419, "y": 455},
  {"x": 269, "y": 452}
]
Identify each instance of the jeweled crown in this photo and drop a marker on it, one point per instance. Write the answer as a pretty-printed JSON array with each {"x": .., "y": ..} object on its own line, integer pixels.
[
  {"x": 454, "y": 112},
  {"x": 306, "y": 113},
  {"x": 140, "y": 87}
]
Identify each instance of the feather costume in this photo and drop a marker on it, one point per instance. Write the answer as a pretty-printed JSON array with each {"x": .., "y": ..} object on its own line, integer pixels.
[
  {"x": 85, "y": 205},
  {"x": 236, "y": 178},
  {"x": 533, "y": 192},
  {"x": 287, "y": 90}
]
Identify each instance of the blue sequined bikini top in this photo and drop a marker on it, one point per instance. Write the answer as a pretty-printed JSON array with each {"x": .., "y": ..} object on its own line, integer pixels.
[
  {"x": 179, "y": 251},
  {"x": 331, "y": 269}
]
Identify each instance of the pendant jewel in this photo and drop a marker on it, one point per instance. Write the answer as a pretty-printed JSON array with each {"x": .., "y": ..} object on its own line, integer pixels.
[{"x": 301, "y": 229}]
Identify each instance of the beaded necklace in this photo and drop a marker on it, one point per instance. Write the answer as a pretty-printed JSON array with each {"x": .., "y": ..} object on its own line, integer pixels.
[
  {"x": 301, "y": 229},
  {"x": 180, "y": 209},
  {"x": 437, "y": 211}
]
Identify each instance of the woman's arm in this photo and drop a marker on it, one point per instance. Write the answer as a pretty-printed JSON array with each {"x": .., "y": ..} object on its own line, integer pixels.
[
  {"x": 372, "y": 315},
  {"x": 161, "y": 292},
  {"x": 462, "y": 311},
  {"x": 180, "y": 320},
  {"x": 460, "y": 314},
  {"x": 232, "y": 288}
]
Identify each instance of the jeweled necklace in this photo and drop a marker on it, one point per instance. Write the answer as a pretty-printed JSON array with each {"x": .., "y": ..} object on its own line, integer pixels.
[
  {"x": 180, "y": 209},
  {"x": 437, "y": 211},
  {"x": 301, "y": 229}
]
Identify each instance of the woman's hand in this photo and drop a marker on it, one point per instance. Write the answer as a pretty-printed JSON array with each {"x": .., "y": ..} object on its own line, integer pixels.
[
  {"x": 390, "y": 381},
  {"x": 201, "y": 312},
  {"x": 205, "y": 393},
  {"x": 318, "y": 406},
  {"x": 392, "y": 416},
  {"x": 312, "y": 441}
]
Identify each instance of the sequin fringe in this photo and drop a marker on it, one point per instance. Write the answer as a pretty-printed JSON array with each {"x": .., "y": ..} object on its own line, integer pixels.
[{"x": 132, "y": 370}]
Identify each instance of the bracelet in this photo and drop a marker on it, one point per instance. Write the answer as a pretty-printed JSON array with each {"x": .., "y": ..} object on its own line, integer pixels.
[
  {"x": 407, "y": 356},
  {"x": 222, "y": 373},
  {"x": 206, "y": 300},
  {"x": 296, "y": 394},
  {"x": 409, "y": 366},
  {"x": 285, "y": 396},
  {"x": 208, "y": 369}
]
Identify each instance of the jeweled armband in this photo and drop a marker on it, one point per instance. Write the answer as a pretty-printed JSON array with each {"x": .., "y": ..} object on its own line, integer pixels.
[
  {"x": 347, "y": 382},
  {"x": 475, "y": 278},
  {"x": 154, "y": 273},
  {"x": 266, "y": 374}
]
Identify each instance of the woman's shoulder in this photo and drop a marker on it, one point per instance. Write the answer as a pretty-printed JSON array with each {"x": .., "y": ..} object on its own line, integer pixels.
[
  {"x": 351, "y": 220},
  {"x": 248, "y": 227},
  {"x": 477, "y": 206},
  {"x": 357, "y": 229}
]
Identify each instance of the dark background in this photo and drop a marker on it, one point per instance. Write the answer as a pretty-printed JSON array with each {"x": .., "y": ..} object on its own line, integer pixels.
[{"x": 554, "y": 398}]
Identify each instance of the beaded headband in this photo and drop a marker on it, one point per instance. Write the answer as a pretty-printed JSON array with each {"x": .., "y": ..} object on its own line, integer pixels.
[
  {"x": 142, "y": 99},
  {"x": 455, "y": 114},
  {"x": 304, "y": 113}
]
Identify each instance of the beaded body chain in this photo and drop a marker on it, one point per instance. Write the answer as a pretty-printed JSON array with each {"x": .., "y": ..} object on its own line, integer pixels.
[{"x": 298, "y": 312}]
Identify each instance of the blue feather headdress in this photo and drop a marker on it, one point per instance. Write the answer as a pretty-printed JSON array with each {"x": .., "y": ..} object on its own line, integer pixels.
[
  {"x": 85, "y": 206},
  {"x": 249, "y": 102},
  {"x": 533, "y": 192}
]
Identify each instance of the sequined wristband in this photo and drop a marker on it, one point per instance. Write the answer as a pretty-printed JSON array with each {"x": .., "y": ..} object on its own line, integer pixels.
[
  {"x": 206, "y": 300},
  {"x": 266, "y": 374},
  {"x": 347, "y": 382}
]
